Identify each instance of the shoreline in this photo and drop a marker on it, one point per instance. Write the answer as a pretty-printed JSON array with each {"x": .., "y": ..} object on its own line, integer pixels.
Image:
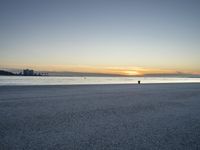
[
  {"x": 107, "y": 84},
  {"x": 15, "y": 81}
]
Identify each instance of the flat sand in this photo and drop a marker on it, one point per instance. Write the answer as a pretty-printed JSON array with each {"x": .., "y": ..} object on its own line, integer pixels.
[{"x": 98, "y": 117}]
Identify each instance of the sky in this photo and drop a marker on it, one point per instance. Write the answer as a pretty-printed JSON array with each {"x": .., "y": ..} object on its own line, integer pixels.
[{"x": 130, "y": 37}]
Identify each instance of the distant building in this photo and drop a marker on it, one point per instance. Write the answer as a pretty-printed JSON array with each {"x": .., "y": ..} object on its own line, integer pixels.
[{"x": 28, "y": 72}]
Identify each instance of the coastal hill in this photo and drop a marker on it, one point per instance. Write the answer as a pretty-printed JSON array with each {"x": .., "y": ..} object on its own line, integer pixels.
[{"x": 7, "y": 73}]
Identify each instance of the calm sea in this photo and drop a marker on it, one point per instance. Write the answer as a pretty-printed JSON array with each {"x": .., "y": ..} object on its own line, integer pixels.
[{"x": 49, "y": 80}]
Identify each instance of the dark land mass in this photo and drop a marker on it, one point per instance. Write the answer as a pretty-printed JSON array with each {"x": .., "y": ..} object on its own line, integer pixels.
[{"x": 6, "y": 73}]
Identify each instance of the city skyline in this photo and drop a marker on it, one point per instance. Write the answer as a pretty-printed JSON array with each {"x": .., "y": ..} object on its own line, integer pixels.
[{"x": 114, "y": 37}]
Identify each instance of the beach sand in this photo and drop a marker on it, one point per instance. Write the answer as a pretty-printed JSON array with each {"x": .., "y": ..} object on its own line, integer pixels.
[{"x": 97, "y": 117}]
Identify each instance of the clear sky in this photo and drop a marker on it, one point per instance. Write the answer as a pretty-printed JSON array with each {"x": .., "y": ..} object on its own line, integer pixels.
[{"x": 111, "y": 36}]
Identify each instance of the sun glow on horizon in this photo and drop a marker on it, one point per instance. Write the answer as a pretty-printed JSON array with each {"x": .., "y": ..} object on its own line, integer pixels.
[
  {"x": 132, "y": 73},
  {"x": 124, "y": 71}
]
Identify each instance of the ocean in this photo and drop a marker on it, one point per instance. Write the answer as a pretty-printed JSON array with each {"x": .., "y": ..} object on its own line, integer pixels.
[{"x": 55, "y": 80}]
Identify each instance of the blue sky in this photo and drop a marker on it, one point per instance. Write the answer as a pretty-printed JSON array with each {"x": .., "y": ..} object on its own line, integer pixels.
[{"x": 101, "y": 36}]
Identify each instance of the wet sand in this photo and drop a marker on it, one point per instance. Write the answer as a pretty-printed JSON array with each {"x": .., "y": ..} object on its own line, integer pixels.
[{"x": 147, "y": 116}]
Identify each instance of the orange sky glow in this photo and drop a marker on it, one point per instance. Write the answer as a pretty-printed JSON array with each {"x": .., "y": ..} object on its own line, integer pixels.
[{"x": 126, "y": 70}]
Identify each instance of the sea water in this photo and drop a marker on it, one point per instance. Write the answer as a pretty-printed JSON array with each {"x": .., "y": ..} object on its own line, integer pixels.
[{"x": 55, "y": 80}]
